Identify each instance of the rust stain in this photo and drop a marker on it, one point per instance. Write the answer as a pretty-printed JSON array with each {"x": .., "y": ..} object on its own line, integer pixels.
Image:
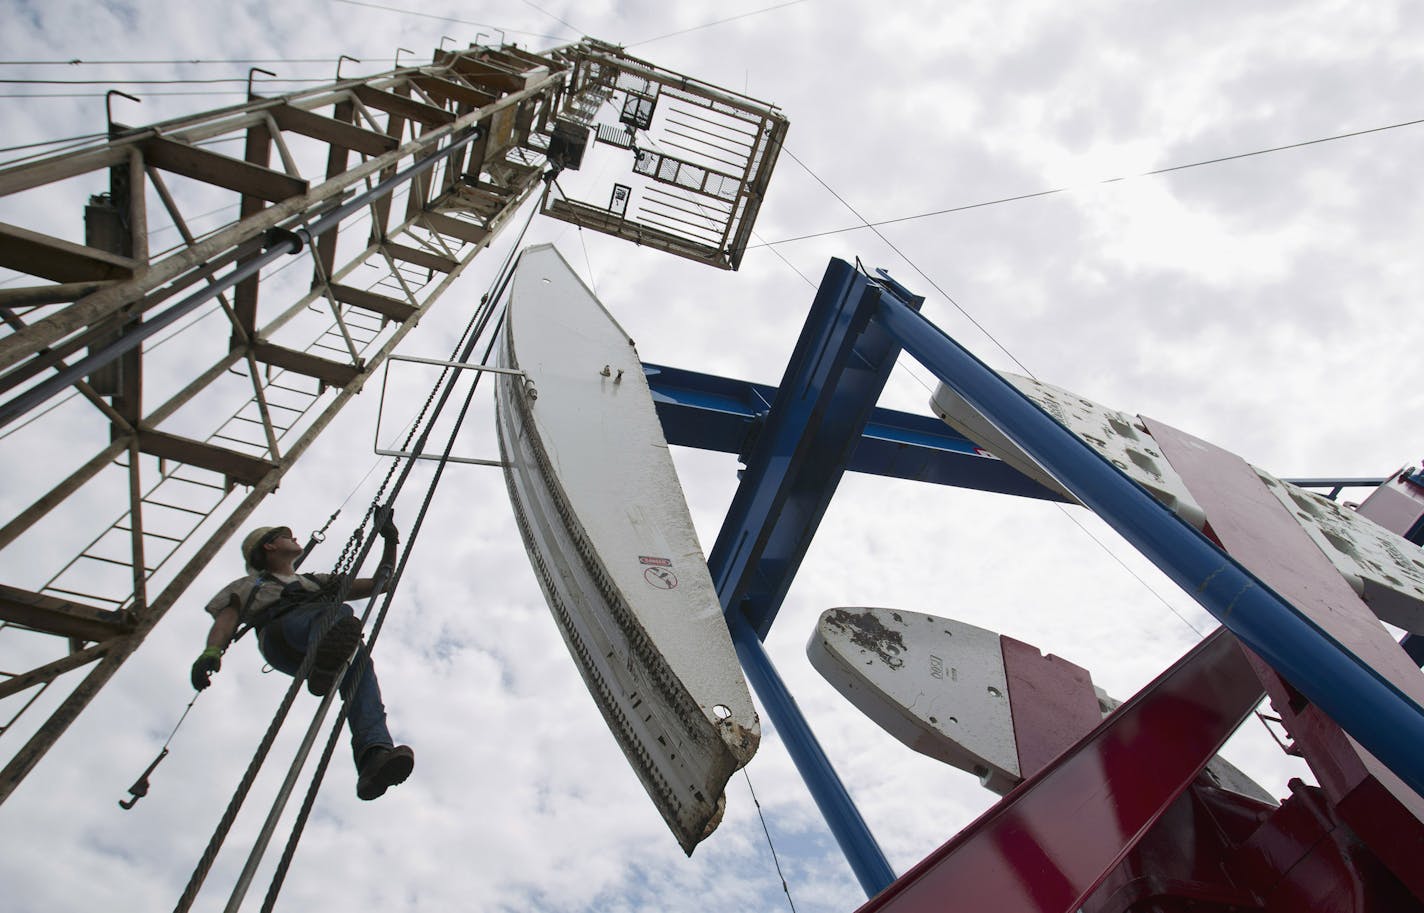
[
  {"x": 741, "y": 741},
  {"x": 870, "y": 634}
]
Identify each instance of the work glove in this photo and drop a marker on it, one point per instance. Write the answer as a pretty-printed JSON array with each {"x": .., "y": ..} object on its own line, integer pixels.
[
  {"x": 203, "y": 668},
  {"x": 388, "y": 529}
]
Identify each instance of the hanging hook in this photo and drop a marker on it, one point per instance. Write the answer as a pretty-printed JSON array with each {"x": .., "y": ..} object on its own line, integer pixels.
[
  {"x": 108, "y": 109},
  {"x": 140, "y": 787},
  {"x": 250, "y": 72},
  {"x": 338, "y": 64},
  {"x": 398, "y": 53}
]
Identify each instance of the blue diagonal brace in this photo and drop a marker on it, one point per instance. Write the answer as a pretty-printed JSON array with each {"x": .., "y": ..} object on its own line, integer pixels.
[
  {"x": 835, "y": 375},
  {"x": 1363, "y": 700}
]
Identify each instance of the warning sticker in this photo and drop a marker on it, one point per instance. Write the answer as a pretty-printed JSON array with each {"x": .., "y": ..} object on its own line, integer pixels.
[
  {"x": 661, "y": 578},
  {"x": 655, "y": 562}
]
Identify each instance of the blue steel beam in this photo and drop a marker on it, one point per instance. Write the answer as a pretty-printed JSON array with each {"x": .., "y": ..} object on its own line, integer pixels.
[
  {"x": 835, "y": 375},
  {"x": 726, "y": 415},
  {"x": 1370, "y": 708},
  {"x": 862, "y": 852}
]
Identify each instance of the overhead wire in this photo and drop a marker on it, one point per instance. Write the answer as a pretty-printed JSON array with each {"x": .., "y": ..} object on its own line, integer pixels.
[
  {"x": 948, "y": 297},
  {"x": 708, "y": 25},
  {"x": 145, "y": 94},
  {"x": 411, "y": 12},
  {"x": 574, "y": 28},
  {"x": 240, "y": 80},
  {"x": 1114, "y": 180},
  {"x": 1011, "y": 355},
  {"x": 188, "y": 61},
  {"x": 77, "y": 142},
  {"x": 808, "y": 279},
  {"x": 52, "y": 142}
]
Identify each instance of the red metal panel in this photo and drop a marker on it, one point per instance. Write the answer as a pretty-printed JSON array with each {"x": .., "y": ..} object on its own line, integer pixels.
[
  {"x": 1396, "y": 505},
  {"x": 1050, "y": 842},
  {"x": 1260, "y": 533},
  {"x": 1051, "y": 701}
]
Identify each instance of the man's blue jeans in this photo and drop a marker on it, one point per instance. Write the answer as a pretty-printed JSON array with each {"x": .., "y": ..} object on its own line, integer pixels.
[{"x": 284, "y": 643}]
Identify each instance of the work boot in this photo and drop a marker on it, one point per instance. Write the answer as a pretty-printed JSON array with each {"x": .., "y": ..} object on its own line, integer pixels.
[
  {"x": 381, "y": 767},
  {"x": 332, "y": 652}
]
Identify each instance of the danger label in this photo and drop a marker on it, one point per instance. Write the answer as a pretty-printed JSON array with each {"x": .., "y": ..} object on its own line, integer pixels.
[
  {"x": 655, "y": 562},
  {"x": 660, "y": 577}
]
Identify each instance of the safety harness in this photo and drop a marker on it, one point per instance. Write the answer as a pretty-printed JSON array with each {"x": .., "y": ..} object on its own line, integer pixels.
[{"x": 294, "y": 596}]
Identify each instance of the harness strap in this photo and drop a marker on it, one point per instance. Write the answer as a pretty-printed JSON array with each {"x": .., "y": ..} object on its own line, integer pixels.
[{"x": 275, "y": 611}]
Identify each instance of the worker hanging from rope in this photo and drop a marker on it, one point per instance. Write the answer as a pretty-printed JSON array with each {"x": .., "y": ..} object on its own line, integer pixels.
[{"x": 294, "y": 614}]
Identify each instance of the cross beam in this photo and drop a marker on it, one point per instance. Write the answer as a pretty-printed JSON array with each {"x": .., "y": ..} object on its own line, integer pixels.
[{"x": 727, "y": 415}]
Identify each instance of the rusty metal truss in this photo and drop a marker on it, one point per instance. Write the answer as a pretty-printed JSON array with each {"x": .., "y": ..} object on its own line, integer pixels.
[{"x": 382, "y": 191}]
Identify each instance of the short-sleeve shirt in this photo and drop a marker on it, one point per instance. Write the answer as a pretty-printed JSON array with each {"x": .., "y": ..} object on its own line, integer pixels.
[{"x": 269, "y": 592}]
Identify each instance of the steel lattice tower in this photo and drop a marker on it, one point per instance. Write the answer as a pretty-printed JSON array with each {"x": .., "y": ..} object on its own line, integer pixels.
[{"x": 189, "y": 454}]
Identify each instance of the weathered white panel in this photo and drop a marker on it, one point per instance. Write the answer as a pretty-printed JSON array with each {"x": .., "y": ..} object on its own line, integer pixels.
[
  {"x": 609, "y": 534},
  {"x": 1119, "y": 437},
  {"x": 937, "y": 685},
  {"x": 1386, "y": 569}
]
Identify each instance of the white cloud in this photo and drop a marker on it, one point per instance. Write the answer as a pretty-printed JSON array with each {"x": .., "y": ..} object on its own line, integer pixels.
[{"x": 1267, "y": 305}]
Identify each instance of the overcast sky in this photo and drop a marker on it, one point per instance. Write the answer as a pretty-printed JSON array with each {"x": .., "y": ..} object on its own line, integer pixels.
[{"x": 1266, "y": 304}]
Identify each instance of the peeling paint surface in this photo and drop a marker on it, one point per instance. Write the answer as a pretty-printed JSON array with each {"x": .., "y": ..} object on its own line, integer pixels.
[
  {"x": 1386, "y": 569},
  {"x": 937, "y": 685},
  {"x": 1119, "y": 437}
]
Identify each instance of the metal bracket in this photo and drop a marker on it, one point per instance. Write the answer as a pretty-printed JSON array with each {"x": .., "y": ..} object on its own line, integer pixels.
[
  {"x": 457, "y": 365},
  {"x": 108, "y": 109}
]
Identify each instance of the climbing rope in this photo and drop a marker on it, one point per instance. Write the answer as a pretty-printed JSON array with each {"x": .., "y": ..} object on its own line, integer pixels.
[{"x": 470, "y": 336}]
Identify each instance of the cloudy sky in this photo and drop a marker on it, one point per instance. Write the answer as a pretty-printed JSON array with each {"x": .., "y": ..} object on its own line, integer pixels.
[{"x": 1261, "y": 303}]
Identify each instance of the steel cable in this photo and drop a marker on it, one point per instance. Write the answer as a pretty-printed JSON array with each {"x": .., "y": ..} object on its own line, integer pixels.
[
  {"x": 204, "y": 866},
  {"x": 363, "y": 658},
  {"x": 205, "y": 862}
]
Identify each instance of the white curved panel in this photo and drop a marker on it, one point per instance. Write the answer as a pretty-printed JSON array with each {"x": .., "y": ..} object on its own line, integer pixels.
[{"x": 609, "y": 534}]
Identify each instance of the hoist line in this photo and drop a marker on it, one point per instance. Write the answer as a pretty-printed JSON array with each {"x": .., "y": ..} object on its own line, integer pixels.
[
  {"x": 200, "y": 873},
  {"x": 299, "y": 825},
  {"x": 469, "y": 339}
]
